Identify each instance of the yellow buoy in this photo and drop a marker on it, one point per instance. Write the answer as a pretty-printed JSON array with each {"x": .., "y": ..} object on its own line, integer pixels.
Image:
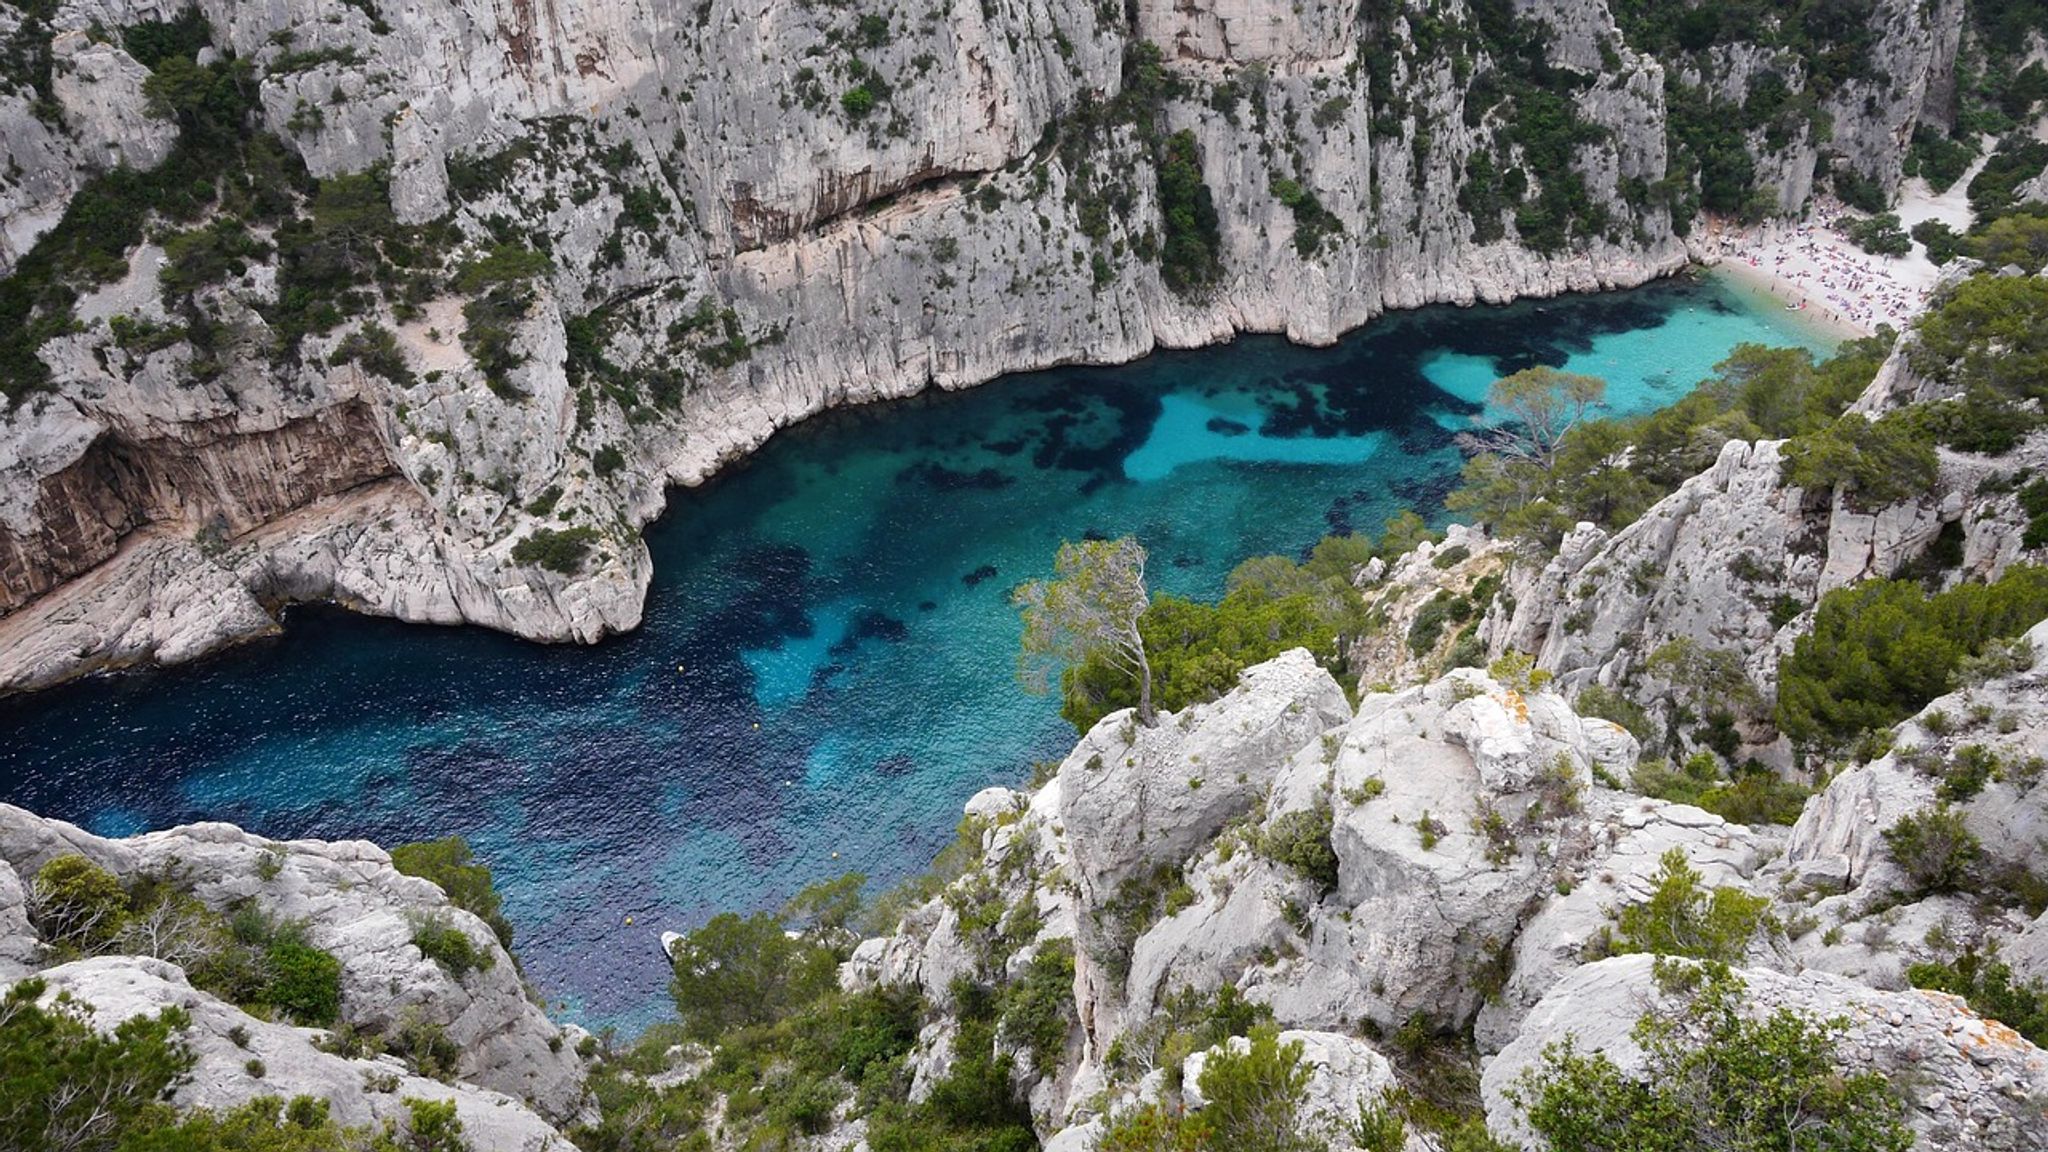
[{"x": 629, "y": 920}]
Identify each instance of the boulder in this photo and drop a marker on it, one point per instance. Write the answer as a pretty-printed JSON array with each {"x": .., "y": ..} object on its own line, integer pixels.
[{"x": 1134, "y": 797}]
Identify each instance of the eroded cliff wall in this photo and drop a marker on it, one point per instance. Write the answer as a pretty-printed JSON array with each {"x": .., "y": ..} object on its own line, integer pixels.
[{"x": 588, "y": 250}]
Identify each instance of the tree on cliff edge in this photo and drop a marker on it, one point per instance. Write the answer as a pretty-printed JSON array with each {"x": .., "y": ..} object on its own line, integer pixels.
[
  {"x": 1542, "y": 404},
  {"x": 1091, "y": 607}
]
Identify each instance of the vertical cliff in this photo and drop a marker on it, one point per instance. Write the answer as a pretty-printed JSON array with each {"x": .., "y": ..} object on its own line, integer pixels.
[{"x": 533, "y": 263}]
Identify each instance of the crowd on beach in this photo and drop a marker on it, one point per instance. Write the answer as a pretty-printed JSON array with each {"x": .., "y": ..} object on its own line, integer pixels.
[{"x": 1813, "y": 265}]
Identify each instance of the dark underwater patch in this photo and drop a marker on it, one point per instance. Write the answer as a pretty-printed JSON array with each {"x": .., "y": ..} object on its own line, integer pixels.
[{"x": 940, "y": 478}]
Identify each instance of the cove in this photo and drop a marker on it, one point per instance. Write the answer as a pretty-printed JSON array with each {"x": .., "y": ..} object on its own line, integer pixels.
[{"x": 826, "y": 668}]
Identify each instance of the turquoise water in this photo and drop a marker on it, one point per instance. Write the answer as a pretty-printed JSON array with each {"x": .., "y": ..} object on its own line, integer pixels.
[{"x": 827, "y": 666}]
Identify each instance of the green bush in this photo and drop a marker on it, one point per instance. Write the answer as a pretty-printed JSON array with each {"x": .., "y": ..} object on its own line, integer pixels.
[
  {"x": 1942, "y": 242},
  {"x": 1038, "y": 1010},
  {"x": 1881, "y": 650},
  {"x": 560, "y": 551},
  {"x": 1301, "y": 841},
  {"x": 1934, "y": 849},
  {"x": 1880, "y": 235},
  {"x": 76, "y": 904},
  {"x": 2020, "y": 239},
  {"x": 503, "y": 264},
  {"x": 1988, "y": 984},
  {"x": 489, "y": 323},
  {"x": 302, "y": 1124},
  {"x": 735, "y": 972},
  {"x": 424, "y": 1046},
  {"x": 305, "y": 982},
  {"x": 1190, "y": 257},
  {"x": 375, "y": 347},
  {"x": 1683, "y": 917},
  {"x": 60, "y": 1077},
  {"x": 1938, "y": 159},
  {"x": 1778, "y": 1083},
  {"x": 974, "y": 1109},
  {"x": 1757, "y": 796},
  {"x": 2019, "y": 158},
  {"x": 450, "y": 947},
  {"x": 1874, "y": 462},
  {"x": 1988, "y": 336},
  {"x": 1253, "y": 1100},
  {"x": 1601, "y": 702},
  {"x": 1432, "y": 618},
  {"x": 2034, "y": 502},
  {"x": 450, "y": 864}
]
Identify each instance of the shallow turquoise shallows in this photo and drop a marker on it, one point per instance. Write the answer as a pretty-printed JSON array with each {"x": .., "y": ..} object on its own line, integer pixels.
[{"x": 827, "y": 666}]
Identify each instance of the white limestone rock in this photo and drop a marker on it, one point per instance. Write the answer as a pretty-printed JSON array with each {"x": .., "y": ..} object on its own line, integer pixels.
[
  {"x": 1633, "y": 835},
  {"x": 356, "y": 906},
  {"x": 20, "y": 949},
  {"x": 1500, "y": 777},
  {"x": 99, "y": 88},
  {"x": 1134, "y": 796},
  {"x": 1970, "y": 1082},
  {"x": 358, "y": 1093}
]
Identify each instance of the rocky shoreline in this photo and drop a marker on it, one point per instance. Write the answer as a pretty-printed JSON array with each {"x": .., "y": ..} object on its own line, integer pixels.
[{"x": 704, "y": 287}]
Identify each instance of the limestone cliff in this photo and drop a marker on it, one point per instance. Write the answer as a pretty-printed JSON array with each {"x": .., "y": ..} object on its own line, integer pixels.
[{"x": 751, "y": 211}]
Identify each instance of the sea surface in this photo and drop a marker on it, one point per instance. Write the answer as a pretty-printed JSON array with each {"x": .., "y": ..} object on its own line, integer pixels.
[{"x": 827, "y": 666}]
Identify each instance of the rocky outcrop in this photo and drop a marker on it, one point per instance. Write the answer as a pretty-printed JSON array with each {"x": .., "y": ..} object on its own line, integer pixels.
[
  {"x": 1472, "y": 860},
  {"x": 1450, "y": 581},
  {"x": 1978, "y": 750},
  {"x": 1476, "y": 870},
  {"x": 1134, "y": 797},
  {"x": 1631, "y": 837},
  {"x": 1731, "y": 564},
  {"x": 238, "y": 1058},
  {"x": 1969, "y": 1082},
  {"x": 984, "y": 215},
  {"x": 1478, "y": 808},
  {"x": 356, "y": 906},
  {"x": 207, "y": 477}
]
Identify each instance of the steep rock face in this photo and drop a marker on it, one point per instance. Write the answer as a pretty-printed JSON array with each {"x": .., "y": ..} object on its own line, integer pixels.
[
  {"x": 356, "y": 906},
  {"x": 1734, "y": 561},
  {"x": 979, "y": 209},
  {"x": 1863, "y": 914},
  {"x": 227, "y": 1043},
  {"x": 1970, "y": 1082},
  {"x": 207, "y": 476}
]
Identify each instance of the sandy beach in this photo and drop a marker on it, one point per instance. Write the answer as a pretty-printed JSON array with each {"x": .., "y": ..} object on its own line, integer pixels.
[{"x": 1815, "y": 269}]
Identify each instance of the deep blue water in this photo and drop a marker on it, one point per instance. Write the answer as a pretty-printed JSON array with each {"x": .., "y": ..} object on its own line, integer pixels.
[{"x": 826, "y": 670}]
